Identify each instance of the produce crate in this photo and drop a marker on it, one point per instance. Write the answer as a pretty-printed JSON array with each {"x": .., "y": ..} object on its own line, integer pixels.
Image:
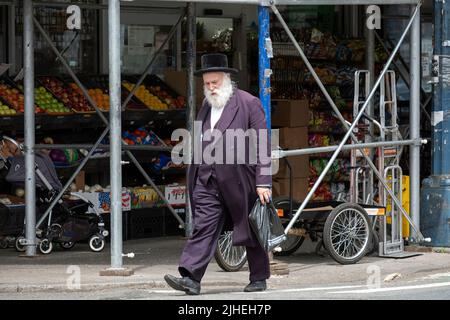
[
  {"x": 175, "y": 101},
  {"x": 101, "y": 82},
  {"x": 160, "y": 97},
  {"x": 6, "y": 110},
  {"x": 67, "y": 94},
  {"x": 45, "y": 100},
  {"x": 62, "y": 111},
  {"x": 96, "y": 89},
  {"x": 12, "y": 96}
]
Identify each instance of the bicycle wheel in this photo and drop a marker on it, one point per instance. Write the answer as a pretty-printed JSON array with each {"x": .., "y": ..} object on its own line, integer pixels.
[
  {"x": 229, "y": 258},
  {"x": 347, "y": 233}
]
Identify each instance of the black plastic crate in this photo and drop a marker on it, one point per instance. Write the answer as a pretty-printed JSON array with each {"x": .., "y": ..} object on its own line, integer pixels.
[
  {"x": 172, "y": 226},
  {"x": 146, "y": 223},
  {"x": 125, "y": 231}
]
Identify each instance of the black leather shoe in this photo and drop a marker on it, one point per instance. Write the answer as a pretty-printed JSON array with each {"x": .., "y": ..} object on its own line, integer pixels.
[
  {"x": 256, "y": 286},
  {"x": 185, "y": 284}
]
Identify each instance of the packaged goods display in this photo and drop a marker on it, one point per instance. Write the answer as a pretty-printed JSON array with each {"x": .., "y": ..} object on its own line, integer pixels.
[{"x": 334, "y": 61}]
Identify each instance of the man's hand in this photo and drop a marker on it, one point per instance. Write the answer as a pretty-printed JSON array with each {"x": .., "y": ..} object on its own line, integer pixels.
[{"x": 264, "y": 194}]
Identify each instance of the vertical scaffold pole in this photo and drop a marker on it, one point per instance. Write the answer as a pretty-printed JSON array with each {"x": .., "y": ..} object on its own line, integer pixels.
[
  {"x": 30, "y": 178},
  {"x": 264, "y": 62},
  {"x": 370, "y": 65},
  {"x": 414, "y": 121},
  {"x": 115, "y": 133},
  {"x": 190, "y": 114}
]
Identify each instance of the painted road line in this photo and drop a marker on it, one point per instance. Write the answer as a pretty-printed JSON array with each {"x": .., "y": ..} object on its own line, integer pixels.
[
  {"x": 303, "y": 289},
  {"x": 422, "y": 286}
]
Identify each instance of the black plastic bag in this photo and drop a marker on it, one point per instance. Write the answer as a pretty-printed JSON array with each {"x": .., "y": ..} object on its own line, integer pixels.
[{"x": 266, "y": 225}]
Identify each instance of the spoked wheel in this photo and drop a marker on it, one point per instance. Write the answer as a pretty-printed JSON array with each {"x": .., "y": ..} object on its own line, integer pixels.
[
  {"x": 347, "y": 233},
  {"x": 96, "y": 243},
  {"x": 292, "y": 242},
  {"x": 18, "y": 246},
  {"x": 45, "y": 246},
  {"x": 3, "y": 244},
  {"x": 67, "y": 245},
  {"x": 229, "y": 258},
  {"x": 289, "y": 246}
]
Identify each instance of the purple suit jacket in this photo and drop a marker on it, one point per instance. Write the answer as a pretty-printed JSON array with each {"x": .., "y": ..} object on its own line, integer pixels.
[{"x": 237, "y": 182}]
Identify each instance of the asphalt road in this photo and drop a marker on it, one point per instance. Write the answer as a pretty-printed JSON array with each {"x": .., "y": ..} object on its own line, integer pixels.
[{"x": 428, "y": 288}]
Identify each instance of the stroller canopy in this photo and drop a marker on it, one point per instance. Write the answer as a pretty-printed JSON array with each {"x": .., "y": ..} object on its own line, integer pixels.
[{"x": 16, "y": 173}]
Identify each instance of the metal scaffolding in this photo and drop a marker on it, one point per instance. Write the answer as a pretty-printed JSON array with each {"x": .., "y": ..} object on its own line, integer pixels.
[{"x": 114, "y": 125}]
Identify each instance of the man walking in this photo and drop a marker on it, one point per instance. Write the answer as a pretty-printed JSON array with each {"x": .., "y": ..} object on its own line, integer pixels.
[{"x": 225, "y": 192}]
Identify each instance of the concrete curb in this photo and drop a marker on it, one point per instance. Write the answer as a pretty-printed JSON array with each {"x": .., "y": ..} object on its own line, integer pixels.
[
  {"x": 441, "y": 250},
  {"x": 30, "y": 288},
  {"x": 427, "y": 249}
]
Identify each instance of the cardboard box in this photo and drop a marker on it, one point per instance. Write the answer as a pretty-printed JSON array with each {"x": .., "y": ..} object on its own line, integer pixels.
[
  {"x": 102, "y": 200},
  {"x": 80, "y": 181},
  {"x": 145, "y": 197},
  {"x": 176, "y": 195},
  {"x": 299, "y": 167},
  {"x": 292, "y": 138},
  {"x": 280, "y": 187},
  {"x": 177, "y": 80},
  {"x": 290, "y": 113}
]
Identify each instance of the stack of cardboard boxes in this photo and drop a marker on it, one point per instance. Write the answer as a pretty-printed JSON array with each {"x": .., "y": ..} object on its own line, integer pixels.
[{"x": 291, "y": 117}]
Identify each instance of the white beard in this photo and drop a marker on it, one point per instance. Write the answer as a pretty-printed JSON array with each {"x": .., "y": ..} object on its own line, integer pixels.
[{"x": 222, "y": 94}]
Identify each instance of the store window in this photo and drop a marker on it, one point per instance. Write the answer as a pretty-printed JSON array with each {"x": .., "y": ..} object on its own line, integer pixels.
[
  {"x": 79, "y": 47},
  {"x": 216, "y": 33},
  {"x": 213, "y": 35},
  {"x": 3, "y": 34},
  {"x": 393, "y": 30},
  {"x": 140, "y": 43}
]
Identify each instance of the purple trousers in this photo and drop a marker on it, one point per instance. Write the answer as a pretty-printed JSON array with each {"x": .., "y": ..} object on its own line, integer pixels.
[{"x": 209, "y": 218}]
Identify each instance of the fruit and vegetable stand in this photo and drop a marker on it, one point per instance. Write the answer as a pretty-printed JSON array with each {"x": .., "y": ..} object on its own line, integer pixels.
[{"x": 61, "y": 107}]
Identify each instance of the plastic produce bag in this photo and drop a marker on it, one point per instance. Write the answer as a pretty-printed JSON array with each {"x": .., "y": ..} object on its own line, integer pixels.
[{"x": 267, "y": 226}]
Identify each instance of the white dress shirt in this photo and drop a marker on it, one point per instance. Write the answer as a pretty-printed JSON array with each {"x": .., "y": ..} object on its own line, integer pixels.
[{"x": 215, "y": 115}]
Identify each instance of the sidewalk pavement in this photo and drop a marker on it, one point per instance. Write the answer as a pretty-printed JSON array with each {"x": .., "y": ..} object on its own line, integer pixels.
[{"x": 155, "y": 257}]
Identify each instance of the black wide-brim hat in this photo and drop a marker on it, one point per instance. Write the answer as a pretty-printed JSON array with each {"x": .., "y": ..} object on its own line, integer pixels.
[{"x": 214, "y": 62}]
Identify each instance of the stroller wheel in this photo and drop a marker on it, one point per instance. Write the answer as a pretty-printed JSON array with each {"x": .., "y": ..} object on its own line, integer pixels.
[
  {"x": 18, "y": 246},
  {"x": 45, "y": 246},
  {"x": 96, "y": 243},
  {"x": 67, "y": 245},
  {"x": 3, "y": 244}
]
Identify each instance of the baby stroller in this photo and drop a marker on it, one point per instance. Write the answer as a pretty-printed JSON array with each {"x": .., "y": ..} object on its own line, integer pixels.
[{"x": 69, "y": 221}]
